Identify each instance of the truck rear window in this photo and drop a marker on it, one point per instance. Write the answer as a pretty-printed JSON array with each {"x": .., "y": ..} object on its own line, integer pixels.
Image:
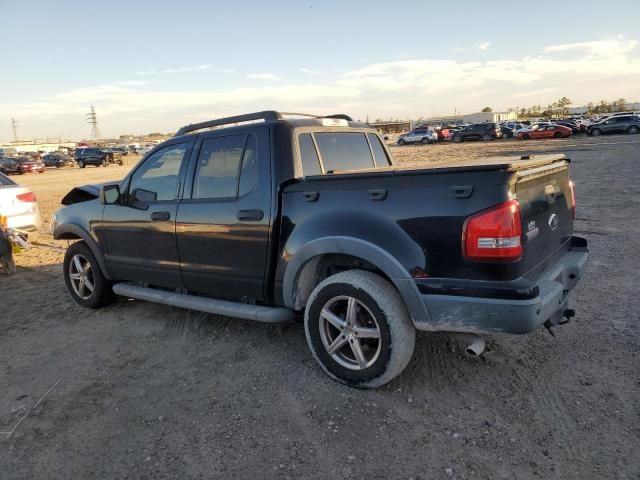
[{"x": 343, "y": 151}]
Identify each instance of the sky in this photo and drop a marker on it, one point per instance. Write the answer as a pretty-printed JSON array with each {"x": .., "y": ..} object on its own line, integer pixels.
[{"x": 153, "y": 66}]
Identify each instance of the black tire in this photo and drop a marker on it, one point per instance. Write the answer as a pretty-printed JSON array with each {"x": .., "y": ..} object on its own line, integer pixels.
[
  {"x": 104, "y": 162},
  {"x": 557, "y": 135},
  {"x": 81, "y": 163},
  {"x": 486, "y": 137},
  {"x": 633, "y": 129},
  {"x": 457, "y": 139},
  {"x": 102, "y": 294},
  {"x": 596, "y": 132},
  {"x": 425, "y": 141},
  {"x": 526, "y": 136},
  {"x": 401, "y": 141},
  {"x": 378, "y": 308}
]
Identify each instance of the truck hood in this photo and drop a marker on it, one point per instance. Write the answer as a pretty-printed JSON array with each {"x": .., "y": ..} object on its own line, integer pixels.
[{"x": 84, "y": 193}]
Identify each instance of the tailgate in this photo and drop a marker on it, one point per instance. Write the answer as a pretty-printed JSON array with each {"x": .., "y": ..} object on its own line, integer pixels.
[{"x": 546, "y": 209}]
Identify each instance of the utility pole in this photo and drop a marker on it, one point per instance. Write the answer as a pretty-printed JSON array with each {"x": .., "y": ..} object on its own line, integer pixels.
[
  {"x": 92, "y": 119},
  {"x": 14, "y": 127}
]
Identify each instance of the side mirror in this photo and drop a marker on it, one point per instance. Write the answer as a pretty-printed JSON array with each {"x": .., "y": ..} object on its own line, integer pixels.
[
  {"x": 141, "y": 197},
  {"x": 109, "y": 194}
]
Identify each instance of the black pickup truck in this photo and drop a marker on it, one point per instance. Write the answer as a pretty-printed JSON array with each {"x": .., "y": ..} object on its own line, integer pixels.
[
  {"x": 268, "y": 217},
  {"x": 96, "y": 156}
]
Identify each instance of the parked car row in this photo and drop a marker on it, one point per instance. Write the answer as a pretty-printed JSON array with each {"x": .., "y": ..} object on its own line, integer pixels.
[{"x": 629, "y": 123}]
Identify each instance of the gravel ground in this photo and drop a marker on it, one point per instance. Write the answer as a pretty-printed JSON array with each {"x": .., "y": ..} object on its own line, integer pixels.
[{"x": 147, "y": 391}]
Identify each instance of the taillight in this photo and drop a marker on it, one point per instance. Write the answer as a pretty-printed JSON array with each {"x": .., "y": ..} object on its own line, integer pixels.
[
  {"x": 573, "y": 199},
  {"x": 26, "y": 197},
  {"x": 494, "y": 234}
]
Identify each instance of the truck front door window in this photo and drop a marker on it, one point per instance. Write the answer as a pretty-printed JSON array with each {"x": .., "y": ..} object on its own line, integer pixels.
[{"x": 159, "y": 173}]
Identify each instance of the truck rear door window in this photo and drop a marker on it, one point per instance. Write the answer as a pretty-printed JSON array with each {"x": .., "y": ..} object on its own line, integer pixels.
[
  {"x": 379, "y": 154},
  {"x": 308, "y": 155},
  {"x": 344, "y": 151}
]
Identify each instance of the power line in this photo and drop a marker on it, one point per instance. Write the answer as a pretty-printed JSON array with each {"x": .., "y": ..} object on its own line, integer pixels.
[
  {"x": 93, "y": 121},
  {"x": 14, "y": 127}
]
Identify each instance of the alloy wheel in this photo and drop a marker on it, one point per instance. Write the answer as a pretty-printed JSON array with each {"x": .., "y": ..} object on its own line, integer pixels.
[
  {"x": 350, "y": 333},
  {"x": 81, "y": 276}
]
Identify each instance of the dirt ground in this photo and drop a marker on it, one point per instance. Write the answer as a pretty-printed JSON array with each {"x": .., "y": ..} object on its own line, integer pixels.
[{"x": 147, "y": 391}]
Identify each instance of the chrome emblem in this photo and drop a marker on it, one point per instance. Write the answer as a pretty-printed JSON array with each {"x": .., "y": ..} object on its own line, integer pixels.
[{"x": 553, "y": 221}]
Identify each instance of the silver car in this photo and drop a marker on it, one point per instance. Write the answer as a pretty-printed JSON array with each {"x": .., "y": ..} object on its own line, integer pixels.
[
  {"x": 421, "y": 135},
  {"x": 18, "y": 206}
]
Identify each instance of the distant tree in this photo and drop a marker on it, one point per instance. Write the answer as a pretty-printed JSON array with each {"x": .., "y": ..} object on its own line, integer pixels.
[
  {"x": 563, "y": 105},
  {"x": 620, "y": 105},
  {"x": 590, "y": 107},
  {"x": 604, "y": 107},
  {"x": 487, "y": 110},
  {"x": 524, "y": 112}
]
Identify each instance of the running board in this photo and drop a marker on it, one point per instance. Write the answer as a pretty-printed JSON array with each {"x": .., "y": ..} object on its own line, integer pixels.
[{"x": 204, "y": 304}]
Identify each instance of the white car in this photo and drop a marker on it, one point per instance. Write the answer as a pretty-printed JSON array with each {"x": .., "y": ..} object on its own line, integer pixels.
[
  {"x": 421, "y": 135},
  {"x": 18, "y": 205}
]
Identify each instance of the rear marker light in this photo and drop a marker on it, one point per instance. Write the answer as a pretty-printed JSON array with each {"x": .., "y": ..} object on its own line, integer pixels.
[
  {"x": 494, "y": 234},
  {"x": 26, "y": 197},
  {"x": 573, "y": 199}
]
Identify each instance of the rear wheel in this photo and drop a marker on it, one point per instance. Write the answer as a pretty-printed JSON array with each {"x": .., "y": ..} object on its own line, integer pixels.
[
  {"x": 457, "y": 139},
  {"x": 486, "y": 137},
  {"x": 358, "y": 329},
  {"x": 633, "y": 129},
  {"x": 104, "y": 162},
  {"x": 81, "y": 163},
  {"x": 596, "y": 132},
  {"x": 526, "y": 136},
  {"x": 557, "y": 135},
  {"x": 401, "y": 141},
  {"x": 85, "y": 282},
  {"x": 425, "y": 140}
]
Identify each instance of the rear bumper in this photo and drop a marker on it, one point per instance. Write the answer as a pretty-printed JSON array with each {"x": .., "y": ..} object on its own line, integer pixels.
[{"x": 509, "y": 315}]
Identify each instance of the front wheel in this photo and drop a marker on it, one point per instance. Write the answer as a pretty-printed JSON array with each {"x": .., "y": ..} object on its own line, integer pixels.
[
  {"x": 401, "y": 141},
  {"x": 526, "y": 136},
  {"x": 425, "y": 141},
  {"x": 596, "y": 132},
  {"x": 457, "y": 139},
  {"x": 104, "y": 162},
  {"x": 358, "y": 329},
  {"x": 633, "y": 129},
  {"x": 85, "y": 282},
  {"x": 486, "y": 137},
  {"x": 557, "y": 135},
  {"x": 81, "y": 163}
]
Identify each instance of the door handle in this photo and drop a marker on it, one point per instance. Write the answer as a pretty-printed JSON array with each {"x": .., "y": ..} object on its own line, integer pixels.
[
  {"x": 250, "y": 215},
  {"x": 160, "y": 216},
  {"x": 310, "y": 196},
  {"x": 377, "y": 194}
]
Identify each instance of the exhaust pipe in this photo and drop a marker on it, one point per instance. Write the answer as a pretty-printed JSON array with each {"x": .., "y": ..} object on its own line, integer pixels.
[{"x": 474, "y": 343}]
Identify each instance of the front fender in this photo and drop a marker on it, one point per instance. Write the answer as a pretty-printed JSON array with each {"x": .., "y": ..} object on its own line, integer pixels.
[{"x": 68, "y": 230}]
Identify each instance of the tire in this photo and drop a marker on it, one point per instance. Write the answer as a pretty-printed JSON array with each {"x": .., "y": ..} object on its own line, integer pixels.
[
  {"x": 104, "y": 162},
  {"x": 633, "y": 129},
  {"x": 596, "y": 132},
  {"x": 79, "y": 278},
  {"x": 425, "y": 141},
  {"x": 526, "y": 136},
  {"x": 378, "y": 310},
  {"x": 486, "y": 137},
  {"x": 557, "y": 135},
  {"x": 457, "y": 139},
  {"x": 7, "y": 264},
  {"x": 81, "y": 164},
  {"x": 401, "y": 141}
]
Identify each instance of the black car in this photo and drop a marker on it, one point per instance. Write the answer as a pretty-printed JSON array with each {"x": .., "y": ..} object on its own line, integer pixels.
[
  {"x": 575, "y": 128},
  {"x": 478, "y": 131},
  {"x": 507, "y": 132},
  {"x": 621, "y": 124},
  {"x": 57, "y": 160},
  {"x": 309, "y": 217},
  {"x": 96, "y": 156}
]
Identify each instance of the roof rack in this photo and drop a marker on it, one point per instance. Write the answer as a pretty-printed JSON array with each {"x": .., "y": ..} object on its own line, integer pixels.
[{"x": 266, "y": 115}]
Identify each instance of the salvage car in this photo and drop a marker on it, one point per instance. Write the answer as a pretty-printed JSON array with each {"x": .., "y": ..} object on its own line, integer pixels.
[
  {"x": 616, "y": 124},
  {"x": 57, "y": 160},
  {"x": 421, "y": 135},
  {"x": 268, "y": 217},
  {"x": 545, "y": 131},
  {"x": 96, "y": 156},
  {"x": 20, "y": 165},
  {"x": 18, "y": 206},
  {"x": 478, "y": 131}
]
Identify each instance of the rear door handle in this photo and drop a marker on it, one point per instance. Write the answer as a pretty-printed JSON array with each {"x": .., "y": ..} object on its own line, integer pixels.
[
  {"x": 250, "y": 215},
  {"x": 160, "y": 216},
  {"x": 377, "y": 194}
]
